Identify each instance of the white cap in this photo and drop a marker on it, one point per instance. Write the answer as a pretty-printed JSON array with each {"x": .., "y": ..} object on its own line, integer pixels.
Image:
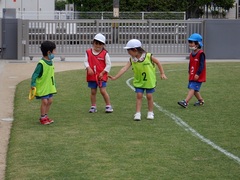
[
  {"x": 133, "y": 43},
  {"x": 100, "y": 37}
]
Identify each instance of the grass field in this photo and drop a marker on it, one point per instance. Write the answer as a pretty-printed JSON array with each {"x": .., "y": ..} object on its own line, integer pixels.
[{"x": 193, "y": 143}]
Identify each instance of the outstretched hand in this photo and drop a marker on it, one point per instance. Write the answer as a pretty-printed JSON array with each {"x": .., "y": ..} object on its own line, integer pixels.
[
  {"x": 163, "y": 76},
  {"x": 111, "y": 77}
]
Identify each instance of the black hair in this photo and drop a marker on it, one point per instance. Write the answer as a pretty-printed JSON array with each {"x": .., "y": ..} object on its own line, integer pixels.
[
  {"x": 96, "y": 41},
  {"x": 197, "y": 44},
  {"x": 47, "y": 46},
  {"x": 139, "y": 49}
]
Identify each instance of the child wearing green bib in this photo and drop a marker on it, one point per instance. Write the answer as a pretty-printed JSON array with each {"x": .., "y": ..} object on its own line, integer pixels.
[
  {"x": 44, "y": 82},
  {"x": 144, "y": 69}
]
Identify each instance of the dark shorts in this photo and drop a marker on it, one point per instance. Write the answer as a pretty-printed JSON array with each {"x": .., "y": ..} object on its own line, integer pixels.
[
  {"x": 141, "y": 90},
  {"x": 194, "y": 85},
  {"x": 94, "y": 85},
  {"x": 44, "y": 97}
]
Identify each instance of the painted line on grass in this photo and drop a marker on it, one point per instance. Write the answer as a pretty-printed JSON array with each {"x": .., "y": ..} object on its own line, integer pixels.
[{"x": 186, "y": 127}]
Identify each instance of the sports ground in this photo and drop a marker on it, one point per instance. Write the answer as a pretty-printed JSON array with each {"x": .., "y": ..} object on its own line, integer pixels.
[{"x": 13, "y": 72}]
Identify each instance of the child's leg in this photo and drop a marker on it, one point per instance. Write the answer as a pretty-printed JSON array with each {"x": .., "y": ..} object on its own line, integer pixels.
[
  {"x": 93, "y": 96},
  {"x": 106, "y": 98},
  {"x": 200, "y": 101},
  {"x": 198, "y": 96},
  {"x": 49, "y": 103},
  {"x": 150, "y": 102},
  {"x": 139, "y": 102},
  {"x": 105, "y": 95},
  {"x": 190, "y": 95},
  {"x": 44, "y": 107}
]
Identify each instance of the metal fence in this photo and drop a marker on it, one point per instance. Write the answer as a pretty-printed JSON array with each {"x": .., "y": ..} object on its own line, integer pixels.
[
  {"x": 101, "y": 15},
  {"x": 122, "y": 15},
  {"x": 73, "y": 37}
]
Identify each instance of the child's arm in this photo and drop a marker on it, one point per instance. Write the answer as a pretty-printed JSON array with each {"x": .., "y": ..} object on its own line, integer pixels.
[
  {"x": 156, "y": 61},
  {"x": 121, "y": 72},
  {"x": 201, "y": 66},
  {"x": 37, "y": 73},
  {"x": 86, "y": 64},
  {"x": 108, "y": 63},
  {"x": 108, "y": 66}
]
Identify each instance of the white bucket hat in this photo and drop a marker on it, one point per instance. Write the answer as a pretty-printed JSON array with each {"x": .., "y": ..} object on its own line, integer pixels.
[
  {"x": 100, "y": 37},
  {"x": 133, "y": 43}
]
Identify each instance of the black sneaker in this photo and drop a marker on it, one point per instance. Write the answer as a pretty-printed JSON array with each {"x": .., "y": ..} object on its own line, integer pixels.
[
  {"x": 183, "y": 103},
  {"x": 199, "y": 103}
]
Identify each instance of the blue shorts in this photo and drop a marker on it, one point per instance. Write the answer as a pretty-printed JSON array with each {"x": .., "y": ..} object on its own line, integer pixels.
[
  {"x": 94, "y": 85},
  {"x": 141, "y": 90},
  {"x": 194, "y": 85},
  {"x": 44, "y": 97}
]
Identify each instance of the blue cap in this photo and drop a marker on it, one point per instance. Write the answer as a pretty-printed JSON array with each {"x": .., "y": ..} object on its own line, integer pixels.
[{"x": 196, "y": 37}]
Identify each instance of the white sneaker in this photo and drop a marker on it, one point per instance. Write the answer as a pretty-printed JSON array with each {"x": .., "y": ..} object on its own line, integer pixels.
[
  {"x": 150, "y": 116},
  {"x": 108, "y": 109},
  {"x": 93, "y": 109},
  {"x": 137, "y": 116}
]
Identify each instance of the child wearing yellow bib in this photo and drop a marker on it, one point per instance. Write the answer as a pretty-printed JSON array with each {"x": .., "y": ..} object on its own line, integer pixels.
[
  {"x": 44, "y": 82},
  {"x": 144, "y": 69}
]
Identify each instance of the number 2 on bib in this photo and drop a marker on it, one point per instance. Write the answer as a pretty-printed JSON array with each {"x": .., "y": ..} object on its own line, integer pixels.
[{"x": 144, "y": 76}]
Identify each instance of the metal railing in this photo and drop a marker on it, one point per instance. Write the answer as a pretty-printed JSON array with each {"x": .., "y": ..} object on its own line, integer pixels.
[
  {"x": 73, "y": 37},
  {"x": 102, "y": 15},
  {"x": 63, "y": 15}
]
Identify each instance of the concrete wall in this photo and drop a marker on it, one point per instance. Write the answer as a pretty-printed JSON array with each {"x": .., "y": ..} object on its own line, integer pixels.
[
  {"x": 221, "y": 39},
  {"x": 1, "y": 39}
]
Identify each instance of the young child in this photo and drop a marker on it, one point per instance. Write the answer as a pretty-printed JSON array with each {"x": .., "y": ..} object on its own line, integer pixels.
[
  {"x": 43, "y": 80},
  {"x": 98, "y": 65},
  {"x": 144, "y": 69},
  {"x": 196, "y": 71}
]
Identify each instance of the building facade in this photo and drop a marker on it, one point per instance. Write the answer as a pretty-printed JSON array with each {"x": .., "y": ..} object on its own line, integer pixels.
[{"x": 30, "y": 9}]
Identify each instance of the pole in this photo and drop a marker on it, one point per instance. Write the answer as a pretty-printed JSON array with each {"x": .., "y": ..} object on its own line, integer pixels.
[
  {"x": 116, "y": 8},
  {"x": 115, "y": 24}
]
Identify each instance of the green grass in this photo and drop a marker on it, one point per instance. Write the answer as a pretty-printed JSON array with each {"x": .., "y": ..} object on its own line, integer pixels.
[{"x": 80, "y": 145}]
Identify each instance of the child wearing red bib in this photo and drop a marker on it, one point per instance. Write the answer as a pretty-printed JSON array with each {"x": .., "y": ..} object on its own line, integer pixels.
[
  {"x": 196, "y": 71},
  {"x": 98, "y": 65}
]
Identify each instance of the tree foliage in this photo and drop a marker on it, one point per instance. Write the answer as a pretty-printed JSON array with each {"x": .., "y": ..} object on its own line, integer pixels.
[
  {"x": 60, "y": 5},
  {"x": 192, "y": 7}
]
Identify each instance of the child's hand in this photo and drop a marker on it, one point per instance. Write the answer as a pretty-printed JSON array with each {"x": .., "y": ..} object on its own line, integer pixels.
[
  {"x": 163, "y": 76},
  {"x": 112, "y": 77},
  {"x": 100, "y": 76},
  {"x": 90, "y": 71},
  {"x": 196, "y": 77}
]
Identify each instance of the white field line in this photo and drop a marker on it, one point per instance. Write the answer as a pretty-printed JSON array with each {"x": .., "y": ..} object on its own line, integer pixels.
[{"x": 188, "y": 128}]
